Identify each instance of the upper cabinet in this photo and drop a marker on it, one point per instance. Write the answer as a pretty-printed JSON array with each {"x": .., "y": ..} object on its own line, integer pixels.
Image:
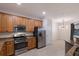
[
  {"x": 4, "y": 24},
  {"x": 27, "y": 24},
  {"x": 0, "y": 23},
  {"x": 38, "y": 23},
  {"x": 31, "y": 25},
  {"x": 19, "y": 20},
  {"x": 8, "y": 22},
  {"x": 23, "y": 21},
  {"x": 16, "y": 20}
]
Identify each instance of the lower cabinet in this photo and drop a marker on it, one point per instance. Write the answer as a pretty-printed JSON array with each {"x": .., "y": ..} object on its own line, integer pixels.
[
  {"x": 31, "y": 42},
  {"x": 9, "y": 48},
  {"x": 3, "y": 50}
]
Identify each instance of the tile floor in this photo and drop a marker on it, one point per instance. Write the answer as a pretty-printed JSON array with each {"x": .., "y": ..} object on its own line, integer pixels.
[{"x": 57, "y": 48}]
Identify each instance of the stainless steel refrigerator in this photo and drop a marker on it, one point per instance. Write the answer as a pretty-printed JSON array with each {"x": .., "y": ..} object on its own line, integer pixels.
[{"x": 40, "y": 35}]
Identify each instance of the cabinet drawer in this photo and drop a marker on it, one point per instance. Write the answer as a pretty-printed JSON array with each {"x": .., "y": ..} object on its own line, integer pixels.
[{"x": 9, "y": 42}]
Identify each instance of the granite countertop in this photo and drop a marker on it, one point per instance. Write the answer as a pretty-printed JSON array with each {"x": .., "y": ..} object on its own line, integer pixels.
[
  {"x": 10, "y": 35},
  {"x": 72, "y": 50},
  {"x": 67, "y": 41},
  {"x": 76, "y": 36}
]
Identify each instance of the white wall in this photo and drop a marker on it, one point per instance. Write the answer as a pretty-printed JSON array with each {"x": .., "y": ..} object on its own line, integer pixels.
[
  {"x": 64, "y": 33},
  {"x": 60, "y": 33},
  {"x": 47, "y": 25},
  {"x": 54, "y": 30},
  {"x": 51, "y": 27}
]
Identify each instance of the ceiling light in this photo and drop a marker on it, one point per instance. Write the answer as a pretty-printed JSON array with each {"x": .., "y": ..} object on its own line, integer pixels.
[
  {"x": 43, "y": 12},
  {"x": 18, "y": 3}
]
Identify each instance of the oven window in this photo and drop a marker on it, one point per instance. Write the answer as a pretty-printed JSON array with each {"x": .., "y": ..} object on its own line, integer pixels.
[{"x": 20, "y": 45}]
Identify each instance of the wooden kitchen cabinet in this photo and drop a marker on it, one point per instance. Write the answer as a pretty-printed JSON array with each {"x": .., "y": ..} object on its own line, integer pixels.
[
  {"x": 0, "y": 23},
  {"x": 23, "y": 21},
  {"x": 10, "y": 24},
  {"x": 27, "y": 24},
  {"x": 20, "y": 21},
  {"x": 3, "y": 50},
  {"x": 40, "y": 24},
  {"x": 9, "y": 48},
  {"x": 31, "y": 42},
  {"x": 4, "y": 18},
  {"x": 37, "y": 23},
  {"x": 31, "y": 25},
  {"x": 7, "y": 23},
  {"x": 16, "y": 20}
]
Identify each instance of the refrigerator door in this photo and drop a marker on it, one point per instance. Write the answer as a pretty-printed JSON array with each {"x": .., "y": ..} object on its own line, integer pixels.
[{"x": 41, "y": 41}]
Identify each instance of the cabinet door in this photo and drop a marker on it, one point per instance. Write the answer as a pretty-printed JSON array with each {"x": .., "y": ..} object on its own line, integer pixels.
[
  {"x": 16, "y": 20},
  {"x": 0, "y": 23},
  {"x": 10, "y": 24},
  {"x": 27, "y": 24},
  {"x": 23, "y": 21},
  {"x": 10, "y": 48},
  {"x": 7, "y": 23},
  {"x": 3, "y": 50},
  {"x": 31, "y": 43},
  {"x": 40, "y": 23},
  {"x": 31, "y": 26},
  {"x": 5, "y": 17},
  {"x": 20, "y": 20},
  {"x": 36, "y": 23}
]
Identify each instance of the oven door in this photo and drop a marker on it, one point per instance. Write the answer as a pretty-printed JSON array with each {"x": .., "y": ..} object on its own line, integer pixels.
[{"x": 20, "y": 45}]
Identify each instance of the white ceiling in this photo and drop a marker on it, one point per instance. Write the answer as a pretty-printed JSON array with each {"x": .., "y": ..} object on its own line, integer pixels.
[{"x": 53, "y": 10}]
